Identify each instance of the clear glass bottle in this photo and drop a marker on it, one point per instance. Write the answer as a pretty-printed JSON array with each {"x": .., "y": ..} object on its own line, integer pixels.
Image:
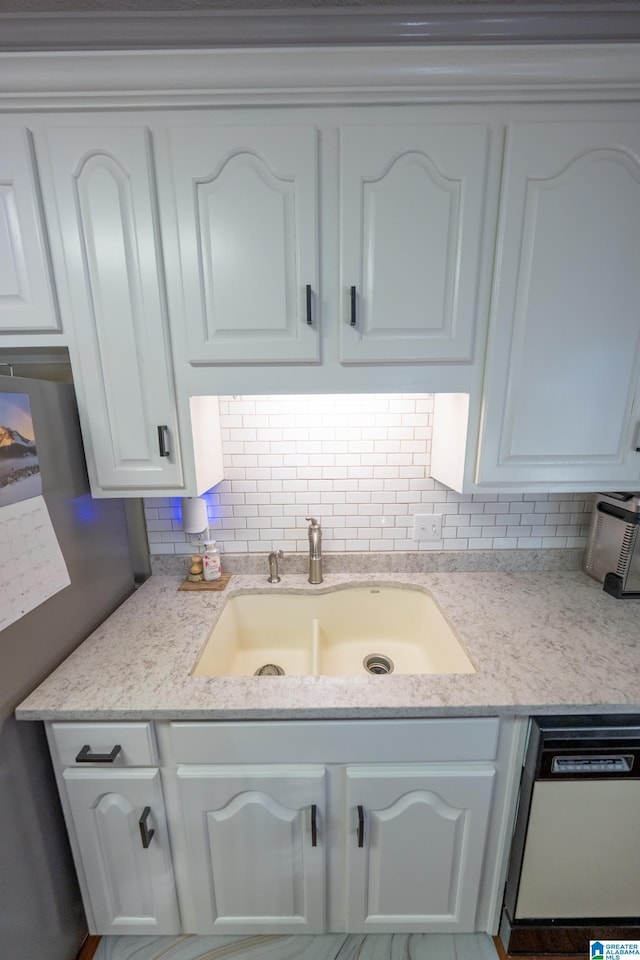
[{"x": 211, "y": 566}]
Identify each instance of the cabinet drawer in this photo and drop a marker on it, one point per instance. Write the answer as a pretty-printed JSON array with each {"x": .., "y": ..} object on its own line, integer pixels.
[
  {"x": 136, "y": 741},
  {"x": 335, "y": 741}
]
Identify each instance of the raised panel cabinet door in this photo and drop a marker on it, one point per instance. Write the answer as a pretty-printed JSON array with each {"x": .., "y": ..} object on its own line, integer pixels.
[
  {"x": 255, "y": 846},
  {"x": 246, "y": 205},
  {"x": 119, "y": 822},
  {"x": 27, "y": 300},
  {"x": 104, "y": 196},
  {"x": 412, "y": 210},
  {"x": 561, "y": 399},
  {"x": 415, "y": 846}
]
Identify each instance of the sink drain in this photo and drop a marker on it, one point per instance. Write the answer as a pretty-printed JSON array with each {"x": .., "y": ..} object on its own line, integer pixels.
[
  {"x": 378, "y": 663},
  {"x": 269, "y": 670}
]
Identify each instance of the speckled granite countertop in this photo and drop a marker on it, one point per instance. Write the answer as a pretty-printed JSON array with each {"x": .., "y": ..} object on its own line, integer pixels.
[{"x": 541, "y": 643}]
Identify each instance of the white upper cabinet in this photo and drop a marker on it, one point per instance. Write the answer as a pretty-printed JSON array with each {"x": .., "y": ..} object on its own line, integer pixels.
[
  {"x": 412, "y": 209},
  {"x": 395, "y": 211},
  {"x": 27, "y": 300},
  {"x": 463, "y": 222},
  {"x": 561, "y": 401},
  {"x": 246, "y": 206},
  {"x": 104, "y": 209}
]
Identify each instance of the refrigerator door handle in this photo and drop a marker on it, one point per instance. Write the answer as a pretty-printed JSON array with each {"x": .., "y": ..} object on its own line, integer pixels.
[{"x": 86, "y": 756}]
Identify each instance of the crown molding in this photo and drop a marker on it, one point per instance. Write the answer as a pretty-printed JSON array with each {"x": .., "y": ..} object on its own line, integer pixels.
[
  {"x": 299, "y": 75},
  {"x": 567, "y": 21}
]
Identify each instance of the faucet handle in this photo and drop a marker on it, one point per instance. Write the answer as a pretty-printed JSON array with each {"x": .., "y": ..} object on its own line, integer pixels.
[{"x": 312, "y": 521}]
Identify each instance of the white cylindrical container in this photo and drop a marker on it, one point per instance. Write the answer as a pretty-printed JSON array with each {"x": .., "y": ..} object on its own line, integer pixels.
[
  {"x": 194, "y": 515},
  {"x": 211, "y": 566}
]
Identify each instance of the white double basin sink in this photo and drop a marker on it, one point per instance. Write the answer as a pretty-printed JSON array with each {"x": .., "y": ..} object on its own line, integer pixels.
[{"x": 344, "y": 632}]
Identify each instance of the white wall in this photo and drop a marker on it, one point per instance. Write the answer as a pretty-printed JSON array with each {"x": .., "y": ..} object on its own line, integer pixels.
[{"x": 360, "y": 464}]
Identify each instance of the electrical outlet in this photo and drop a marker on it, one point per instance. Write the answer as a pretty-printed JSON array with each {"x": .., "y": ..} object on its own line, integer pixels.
[
  {"x": 427, "y": 526},
  {"x": 199, "y": 538}
]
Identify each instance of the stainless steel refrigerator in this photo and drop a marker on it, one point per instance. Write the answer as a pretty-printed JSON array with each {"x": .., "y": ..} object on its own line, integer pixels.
[{"x": 41, "y": 916}]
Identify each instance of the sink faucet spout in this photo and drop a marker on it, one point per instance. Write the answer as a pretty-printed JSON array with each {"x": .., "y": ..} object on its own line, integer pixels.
[{"x": 315, "y": 551}]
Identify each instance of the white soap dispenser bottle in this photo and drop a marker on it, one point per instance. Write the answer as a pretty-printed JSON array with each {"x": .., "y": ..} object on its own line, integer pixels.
[{"x": 211, "y": 566}]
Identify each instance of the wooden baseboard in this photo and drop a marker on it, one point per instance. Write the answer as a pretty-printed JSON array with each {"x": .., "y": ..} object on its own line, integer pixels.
[
  {"x": 88, "y": 948},
  {"x": 506, "y": 956},
  {"x": 557, "y": 941}
]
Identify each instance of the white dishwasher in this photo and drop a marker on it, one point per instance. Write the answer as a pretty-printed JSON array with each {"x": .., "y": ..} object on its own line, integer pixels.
[{"x": 576, "y": 847}]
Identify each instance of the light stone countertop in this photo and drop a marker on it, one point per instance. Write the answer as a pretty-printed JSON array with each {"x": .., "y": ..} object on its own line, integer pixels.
[{"x": 541, "y": 642}]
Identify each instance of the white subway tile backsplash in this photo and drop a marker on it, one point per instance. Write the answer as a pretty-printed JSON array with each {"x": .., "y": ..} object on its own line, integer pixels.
[
  {"x": 153, "y": 526},
  {"x": 460, "y": 543},
  {"x": 493, "y": 532},
  {"x": 529, "y": 543},
  {"x": 551, "y": 542},
  {"x": 361, "y": 465},
  {"x": 514, "y": 531},
  {"x": 169, "y": 513}
]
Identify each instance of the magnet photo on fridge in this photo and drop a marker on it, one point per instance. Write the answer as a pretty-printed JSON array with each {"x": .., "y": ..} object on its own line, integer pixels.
[{"x": 19, "y": 464}]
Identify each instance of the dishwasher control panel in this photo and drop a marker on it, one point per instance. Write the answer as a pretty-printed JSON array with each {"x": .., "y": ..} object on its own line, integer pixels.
[
  {"x": 615, "y": 763},
  {"x": 596, "y": 748}
]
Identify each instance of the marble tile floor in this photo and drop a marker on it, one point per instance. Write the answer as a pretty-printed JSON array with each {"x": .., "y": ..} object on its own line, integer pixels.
[{"x": 397, "y": 946}]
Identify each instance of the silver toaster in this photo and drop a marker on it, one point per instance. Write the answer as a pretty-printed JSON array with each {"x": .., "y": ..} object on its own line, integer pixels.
[{"x": 613, "y": 548}]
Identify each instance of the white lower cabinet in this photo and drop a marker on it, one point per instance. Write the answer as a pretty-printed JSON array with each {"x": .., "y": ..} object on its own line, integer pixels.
[
  {"x": 369, "y": 826},
  {"x": 251, "y": 837},
  {"x": 123, "y": 844},
  {"x": 262, "y": 844},
  {"x": 112, "y": 798},
  {"x": 416, "y": 862}
]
